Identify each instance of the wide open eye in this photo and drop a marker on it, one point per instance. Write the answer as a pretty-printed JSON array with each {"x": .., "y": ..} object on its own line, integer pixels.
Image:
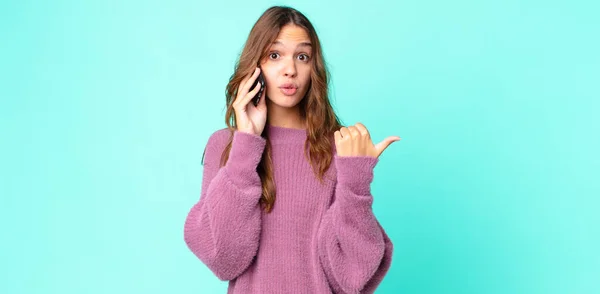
[
  {"x": 304, "y": 57},
  {"x": 273, "y": 55}
]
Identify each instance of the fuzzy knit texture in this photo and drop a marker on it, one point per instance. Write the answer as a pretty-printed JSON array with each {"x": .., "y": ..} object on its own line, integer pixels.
[{"x": 319, "y": 237}]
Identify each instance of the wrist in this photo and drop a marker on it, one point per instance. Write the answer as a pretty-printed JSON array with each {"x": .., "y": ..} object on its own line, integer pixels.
[
  {"x": 356, "y": 172},
  {"x": 247, "y": 131}
]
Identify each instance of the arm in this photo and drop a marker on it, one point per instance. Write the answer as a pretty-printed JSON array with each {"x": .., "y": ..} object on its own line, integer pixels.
[
  {"x": 354, "y": 250},
  {"x": 223, "y": 228}
]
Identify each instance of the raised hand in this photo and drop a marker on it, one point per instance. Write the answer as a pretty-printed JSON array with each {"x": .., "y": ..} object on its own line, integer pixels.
[
  {"x": 356, "y": 141},
  {"x": 249, "y": 118}
]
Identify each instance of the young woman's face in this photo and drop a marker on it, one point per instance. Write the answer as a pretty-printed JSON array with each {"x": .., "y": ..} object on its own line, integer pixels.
[{"x": 287, "y": 66}]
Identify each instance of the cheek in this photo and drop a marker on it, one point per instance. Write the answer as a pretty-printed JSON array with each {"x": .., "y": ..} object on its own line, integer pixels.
[
  {"x": 269, "y": 77},
  {"x": 306, "y": 69},
  {"x": 306, "y": 77}
]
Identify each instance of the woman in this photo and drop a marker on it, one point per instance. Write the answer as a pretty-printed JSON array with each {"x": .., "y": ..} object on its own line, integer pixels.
[{"x": 285, "y": 203}]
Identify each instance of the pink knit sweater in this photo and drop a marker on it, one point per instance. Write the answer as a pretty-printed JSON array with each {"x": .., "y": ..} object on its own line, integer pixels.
[{"x": 319, "y": 238}]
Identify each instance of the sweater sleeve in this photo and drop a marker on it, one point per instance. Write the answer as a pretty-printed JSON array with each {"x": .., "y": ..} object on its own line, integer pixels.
[
  {"x": 223, "y": 228},
  {"x": 354, "y": 250}
]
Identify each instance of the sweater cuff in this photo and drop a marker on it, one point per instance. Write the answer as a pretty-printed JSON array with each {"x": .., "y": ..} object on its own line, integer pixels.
[
  {"x": 244, "y": 157},
  {"x": 356, "y": 172}
]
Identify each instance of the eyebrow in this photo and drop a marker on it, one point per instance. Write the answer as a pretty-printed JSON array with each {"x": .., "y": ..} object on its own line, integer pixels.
[{"x": 303, "y": 44}]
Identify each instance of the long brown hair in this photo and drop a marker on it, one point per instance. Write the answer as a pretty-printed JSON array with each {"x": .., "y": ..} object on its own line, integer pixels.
[{"x": 315, "y": 107}]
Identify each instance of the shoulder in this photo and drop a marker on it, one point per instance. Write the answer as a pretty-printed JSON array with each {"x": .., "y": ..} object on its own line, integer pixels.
[
  {"x": 215, "y": 145},
  {"x": 218, "y": 138}
]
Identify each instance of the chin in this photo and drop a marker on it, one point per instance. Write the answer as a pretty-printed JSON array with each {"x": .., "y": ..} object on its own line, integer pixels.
[{"x": 285, "y": 101}]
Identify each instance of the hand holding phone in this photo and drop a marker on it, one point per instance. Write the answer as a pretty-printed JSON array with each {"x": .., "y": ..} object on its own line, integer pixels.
[
  {"x": 251, "y": 119},
  {"x": 261, "y": 80}
]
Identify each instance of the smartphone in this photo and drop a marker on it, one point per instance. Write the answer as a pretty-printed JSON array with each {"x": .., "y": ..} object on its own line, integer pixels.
[{"x": 260, "y": 79}]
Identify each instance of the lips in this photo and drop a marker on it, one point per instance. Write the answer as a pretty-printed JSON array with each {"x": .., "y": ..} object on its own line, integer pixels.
[
  {"x": 288, "y": 85},
  {"x": 288, "y": 89}
]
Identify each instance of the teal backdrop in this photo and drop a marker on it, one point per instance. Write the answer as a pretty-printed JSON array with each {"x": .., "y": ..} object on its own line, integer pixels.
[{"x": 106, "y": 107}]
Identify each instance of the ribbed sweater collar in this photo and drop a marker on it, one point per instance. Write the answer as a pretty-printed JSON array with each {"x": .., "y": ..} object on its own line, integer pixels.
[{"x": 278, "y": 134}]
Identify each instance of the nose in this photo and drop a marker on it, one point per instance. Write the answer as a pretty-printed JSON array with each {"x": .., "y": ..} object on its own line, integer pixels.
[{"x": 289, "y": 69}]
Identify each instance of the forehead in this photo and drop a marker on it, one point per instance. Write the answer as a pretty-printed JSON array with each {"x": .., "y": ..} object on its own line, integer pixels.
[{"x": 292, "y": 36}]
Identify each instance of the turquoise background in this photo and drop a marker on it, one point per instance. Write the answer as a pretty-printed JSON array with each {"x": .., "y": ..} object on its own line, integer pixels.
[{"x": 106, "y": 107}]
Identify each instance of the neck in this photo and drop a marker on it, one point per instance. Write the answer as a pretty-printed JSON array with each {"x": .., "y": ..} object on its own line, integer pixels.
[{"x": 285, "y": 117}]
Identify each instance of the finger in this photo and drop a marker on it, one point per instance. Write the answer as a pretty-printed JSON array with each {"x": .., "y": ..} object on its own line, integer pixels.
[
  {"x": 354, "y": 132},
  {"x": 363, "y": 130},
  {"x": 242, "y": 84},
  {"x": 246, "y": 78},
  {"x": 250, "y": 80},
  {"x": 338, "y": 136},
  {"x": 250, "y": 95},
  {"x": 381, "y": 146},
  {"x": 242, "y": 90},
  {"x": 345, "y": 132},
  {"x": 263, "y": 99}
]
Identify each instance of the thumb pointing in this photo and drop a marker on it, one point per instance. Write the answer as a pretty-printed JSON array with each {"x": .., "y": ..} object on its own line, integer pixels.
[{"x": 381, "y": 146}]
